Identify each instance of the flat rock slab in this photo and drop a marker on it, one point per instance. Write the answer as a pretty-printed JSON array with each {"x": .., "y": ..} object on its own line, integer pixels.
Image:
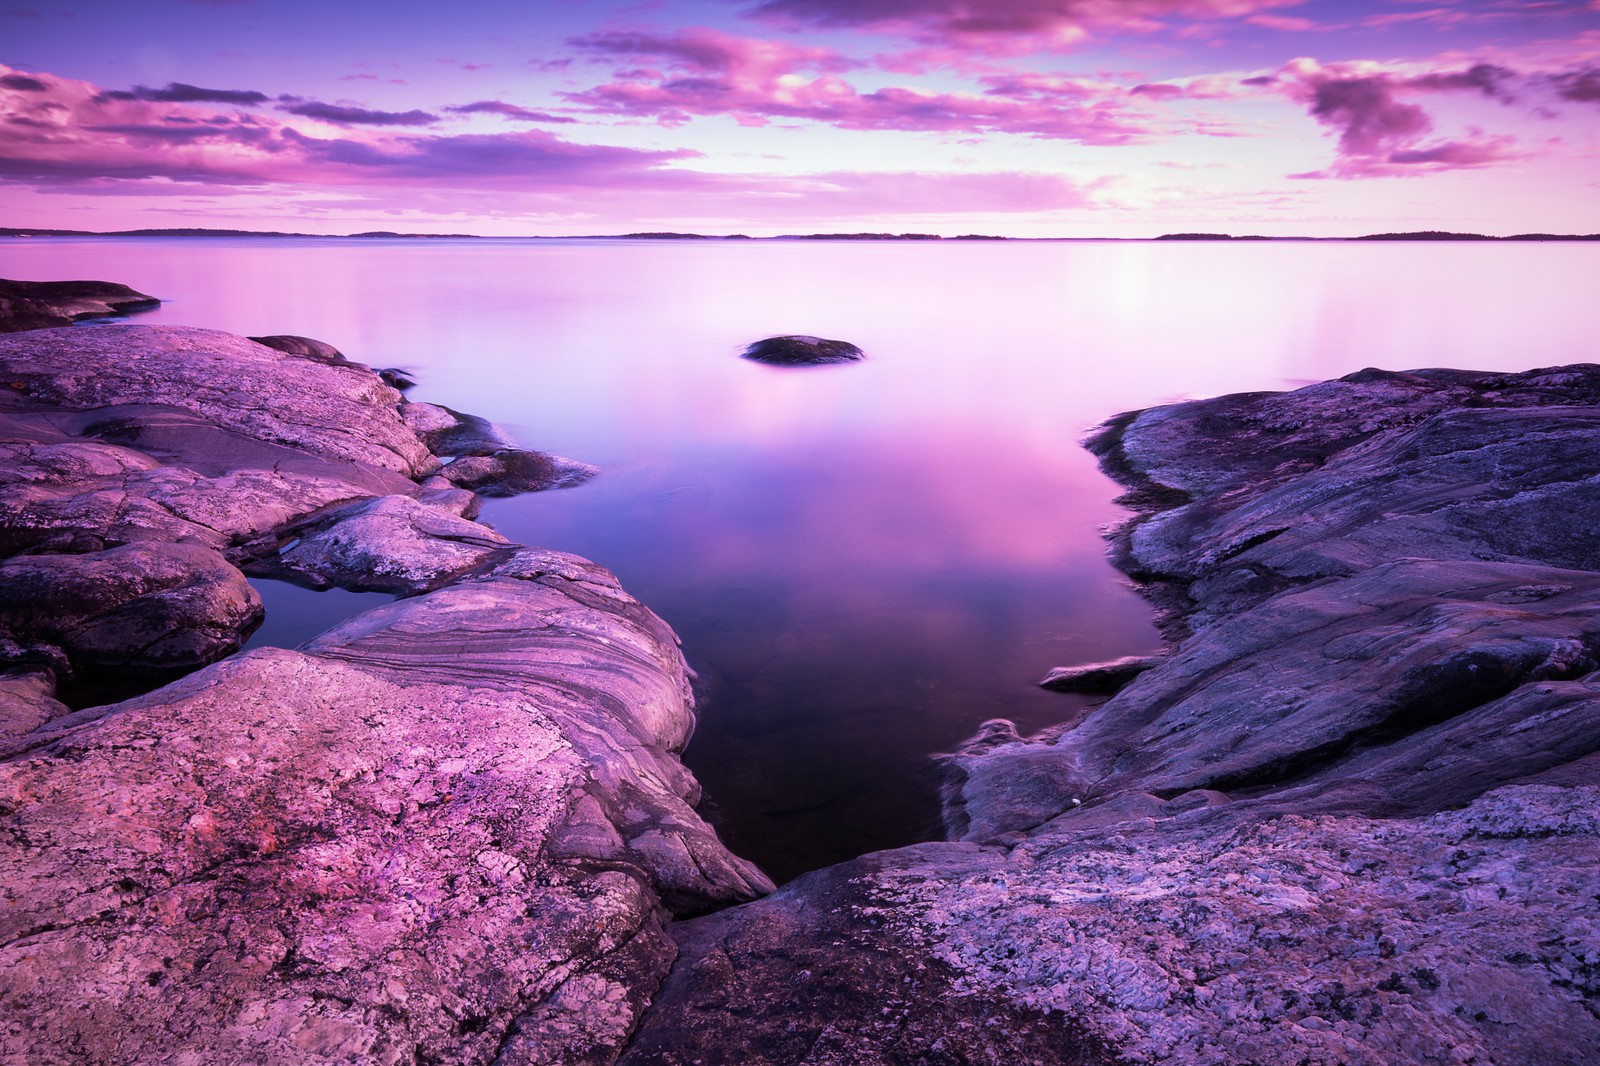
[
  {"x": 1210, "y": 939},
  {"x": 336, "y": 412},
  {"x": 28, "y": 305}
]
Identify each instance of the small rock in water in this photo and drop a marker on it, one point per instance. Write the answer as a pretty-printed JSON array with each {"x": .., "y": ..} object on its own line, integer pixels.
[
  {"x": 799, "y": 350},
  {"x": 1099, "y": 678}
]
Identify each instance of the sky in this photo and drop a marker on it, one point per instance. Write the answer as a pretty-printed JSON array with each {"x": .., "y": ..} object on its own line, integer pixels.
[{"x": 1021, "y": 118}]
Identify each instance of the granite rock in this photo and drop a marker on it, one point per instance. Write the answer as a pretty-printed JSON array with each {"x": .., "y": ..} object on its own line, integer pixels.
[
  {"x": 444, "y": 829},
  {"x": 801, "y": 350},
  {"x": 1350, "y": 817},
  {"x": 29, "y": 305}
]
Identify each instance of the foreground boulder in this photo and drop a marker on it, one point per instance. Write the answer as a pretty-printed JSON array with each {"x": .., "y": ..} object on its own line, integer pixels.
[
  {"x": 447, "y": 830},
  {"x": 26, "y": 305},
  {"x": 1352, "y": 817}
]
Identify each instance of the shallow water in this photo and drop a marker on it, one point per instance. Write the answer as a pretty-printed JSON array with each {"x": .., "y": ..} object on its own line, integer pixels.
[{"x": 864, "y": 561}]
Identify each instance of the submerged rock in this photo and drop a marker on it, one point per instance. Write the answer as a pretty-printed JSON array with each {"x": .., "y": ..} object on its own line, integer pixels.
[
  {"x": 800, "y": 350},
  {"x": 28, "y": 305}
]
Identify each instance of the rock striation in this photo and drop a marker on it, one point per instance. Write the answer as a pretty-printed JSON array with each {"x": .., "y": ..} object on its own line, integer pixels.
[
  {"x": 1352, "y": 817},
  {"x": 450, "y": 830}
]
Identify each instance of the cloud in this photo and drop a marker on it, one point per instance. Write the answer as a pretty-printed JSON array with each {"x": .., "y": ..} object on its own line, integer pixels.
[
  {"x": 22, "y": 83},
  {"x": 703, "y": 49},
  {"x": 1008, "y": 25},
  {"x": 179, "y": 93},
  {"x": 1380, "y": 134},
  {"x": 505, "y": 110},
  {"x": 75, "y": 133},
  {"x": 1434, "y": 158},
  {"x": 355, "y": 116},
  {"x": 1580, "y": 86},
  {"x": 754, "y": 82}
]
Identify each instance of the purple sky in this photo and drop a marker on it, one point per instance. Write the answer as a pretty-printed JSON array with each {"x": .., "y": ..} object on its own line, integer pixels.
[{"x": 1051, "y": 118}]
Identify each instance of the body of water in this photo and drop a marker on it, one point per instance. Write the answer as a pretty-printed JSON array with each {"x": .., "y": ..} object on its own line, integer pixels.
[{"x": 864, "y": 561}]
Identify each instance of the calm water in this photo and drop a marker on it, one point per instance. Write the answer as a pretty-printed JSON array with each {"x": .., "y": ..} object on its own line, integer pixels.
[{"x": 866, "y": 561}]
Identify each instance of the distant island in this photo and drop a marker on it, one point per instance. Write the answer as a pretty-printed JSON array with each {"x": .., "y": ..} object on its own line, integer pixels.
[{"x": 1420, "y": 235}]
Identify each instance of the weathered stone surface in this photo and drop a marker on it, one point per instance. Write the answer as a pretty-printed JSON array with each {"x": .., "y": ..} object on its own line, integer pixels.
[
  {"x": 333, "y": 412},
  {"x": 386, "y": 544},
  {"x": 1350, "y": 818},
  {"x": 141, "y": 607},
  {"x": 28, "y": 305},
  {"x": 1206, "y": 938},
  {"x": 800, "y": 350},
  {"x": 440, "y": 831}
]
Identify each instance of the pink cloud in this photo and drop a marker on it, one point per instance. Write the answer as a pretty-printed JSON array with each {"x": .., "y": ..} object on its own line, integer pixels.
[
  {"x": 700, "y": 48},
  {"x": 73, "y": 132},
  {"x": 1285, "y": 23},
  {"x": 754, "y": 82},
  {"x": 1008, "y": 25}
]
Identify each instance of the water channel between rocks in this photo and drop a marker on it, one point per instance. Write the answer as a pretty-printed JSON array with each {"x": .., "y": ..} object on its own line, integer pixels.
[{"x": 864, "y": 561}]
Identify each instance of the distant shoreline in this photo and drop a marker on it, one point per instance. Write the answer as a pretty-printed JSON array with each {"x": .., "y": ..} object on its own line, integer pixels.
[{"x": 1420, "y": 235}]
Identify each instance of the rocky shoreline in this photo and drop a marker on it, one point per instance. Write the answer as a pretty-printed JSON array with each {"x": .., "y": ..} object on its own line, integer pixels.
[{"x": 1353, "y": 815}]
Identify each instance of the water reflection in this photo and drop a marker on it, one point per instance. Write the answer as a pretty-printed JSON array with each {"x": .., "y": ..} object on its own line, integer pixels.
[{"x": 864, "y": 561}]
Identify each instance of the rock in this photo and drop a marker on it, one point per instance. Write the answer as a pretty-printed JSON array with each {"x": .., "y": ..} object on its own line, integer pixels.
[
  {"x": 1351, "y": 817},
  {"x": 387, "y": 544},
  {"x": 146, "y": 608},
  {"x": 29, "y": 305},
  {"x": 1206, "y": 939},
  {"x": 799, "y": 350},
  {"x": 450, "y": 830},
  {"x": 445, "y": 828},
  {"x": 448, "y": 432},
  {"x": 1098, "y": 678},
  {"x": 396, "y": 378},
  {"x": 27, "y": 701},
  {"x": 306, "y": 348},
  {"x": 511, "y": 472},
  {"x": 333, "y": 412}
]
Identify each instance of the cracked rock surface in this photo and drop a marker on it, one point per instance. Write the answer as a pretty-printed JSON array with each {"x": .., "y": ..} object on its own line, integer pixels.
[{"x": 1352, "y": 817}]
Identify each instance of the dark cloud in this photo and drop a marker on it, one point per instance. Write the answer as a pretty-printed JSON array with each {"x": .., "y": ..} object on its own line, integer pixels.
[
  {"x": 505, "y": 110},
  {"x": 22, "y": 83},
  {"x": 355, "y": 116},
  {"x": 178, "y": 93},
  {"x": 1581, "y": 86},
  {"x": 1485, "y": 78},
  {"x": 1369, "y": 119}
]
